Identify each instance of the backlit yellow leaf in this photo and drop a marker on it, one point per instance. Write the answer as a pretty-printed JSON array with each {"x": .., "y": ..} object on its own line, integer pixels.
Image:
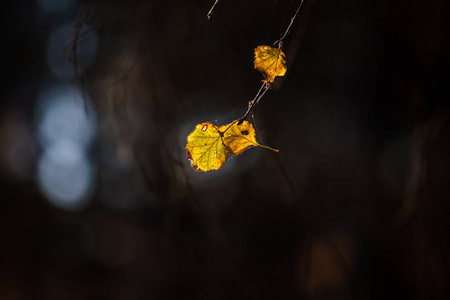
[
  {"x": 208, "y": 145},
  {"x": 205, "y": 147},
  {"x": 240, "y": 137},
  {"x": 270, "y": 62}
]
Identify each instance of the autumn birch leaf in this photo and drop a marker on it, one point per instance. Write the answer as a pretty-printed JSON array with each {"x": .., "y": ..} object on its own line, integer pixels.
[
  {"x": 205, "y": 147},
  {"x": 208, "y": 146},
  {"x": 270, "y": 62},
  {"x": 239, "y": 138}
]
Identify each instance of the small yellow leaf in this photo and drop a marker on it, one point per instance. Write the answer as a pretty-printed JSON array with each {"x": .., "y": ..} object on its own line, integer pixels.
[
  {"x": 205, "y": 147},
  {"x": 270, "y": 62},
  {"x": 208, "y": 146},
  {"x": 239, "y": 138}
]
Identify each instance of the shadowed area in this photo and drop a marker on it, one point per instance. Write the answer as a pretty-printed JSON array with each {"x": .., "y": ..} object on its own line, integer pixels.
[{"x": 99, "y": 201}]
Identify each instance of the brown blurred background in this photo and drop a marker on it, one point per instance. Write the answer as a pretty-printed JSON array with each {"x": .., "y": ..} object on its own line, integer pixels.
[{"x": 97, "y": 198}]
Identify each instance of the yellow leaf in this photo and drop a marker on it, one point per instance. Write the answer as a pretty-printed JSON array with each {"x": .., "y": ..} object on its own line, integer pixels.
[
  {"x": 239, "y": 138},
  {"x": 270, "y": 62},
  {"x": 208, "y": 145},
  {"x": 205, "y": 147}
]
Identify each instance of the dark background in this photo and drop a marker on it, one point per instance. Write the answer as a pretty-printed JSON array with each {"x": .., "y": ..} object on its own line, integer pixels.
[{"x": 97, "y": 198}]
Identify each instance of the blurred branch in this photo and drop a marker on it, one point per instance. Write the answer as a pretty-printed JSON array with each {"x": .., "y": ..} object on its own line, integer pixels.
[
  {"x": 84, "y": 14},
  {"x": 422, "y": 138}
]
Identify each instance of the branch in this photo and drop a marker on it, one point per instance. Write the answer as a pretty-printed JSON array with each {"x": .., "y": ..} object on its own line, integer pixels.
[
  {"x": 280, "y": 41},
  {"x": 255, "y": 100},
  {"x": 211, "y": 10}
]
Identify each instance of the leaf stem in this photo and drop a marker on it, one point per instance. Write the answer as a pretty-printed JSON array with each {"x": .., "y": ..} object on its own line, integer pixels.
[
  {"x": 267, "y": 147},
  {"x": 211, "y": 10},
  {"x": 255, "y": 100},
  {"x": 279, "y": 43}
]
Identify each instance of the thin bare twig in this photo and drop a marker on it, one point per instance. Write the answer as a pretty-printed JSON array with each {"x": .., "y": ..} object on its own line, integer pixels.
[
  {"x": 255, "y": 100},
  {"x": 279, "y": 43},
  {"x": 211, "y": 10}
]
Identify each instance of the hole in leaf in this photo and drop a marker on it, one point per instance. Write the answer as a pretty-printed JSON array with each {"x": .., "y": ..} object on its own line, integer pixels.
[{"x": 245, "y": 132}]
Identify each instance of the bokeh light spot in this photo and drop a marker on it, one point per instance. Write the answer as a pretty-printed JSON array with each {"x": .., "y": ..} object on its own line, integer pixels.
[
  {"x": 65, "y": 131},
  {"x": 65, "y": 176},
  {"x": 62, "y": 116}
]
